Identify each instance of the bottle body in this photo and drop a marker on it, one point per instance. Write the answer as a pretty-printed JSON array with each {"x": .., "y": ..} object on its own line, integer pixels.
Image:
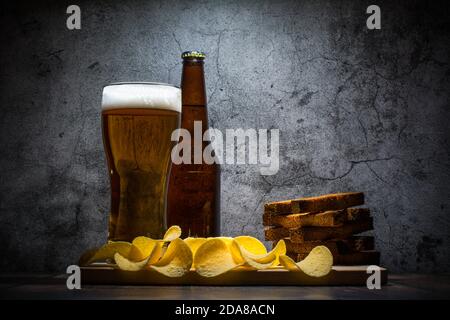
[{"x": 193, "y": 200}]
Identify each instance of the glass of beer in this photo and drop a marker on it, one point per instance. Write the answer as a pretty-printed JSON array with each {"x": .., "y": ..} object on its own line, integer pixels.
[{"x": 137, "y": 122}]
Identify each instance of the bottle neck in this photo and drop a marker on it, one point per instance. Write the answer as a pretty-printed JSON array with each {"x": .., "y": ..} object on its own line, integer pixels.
[{"x": 193, "y": 83}]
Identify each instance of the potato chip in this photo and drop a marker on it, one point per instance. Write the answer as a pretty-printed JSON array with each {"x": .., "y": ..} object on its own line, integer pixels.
[
  {"x": 227, "y": 240},
  {"x": 240, "y": 251},
  {"x": 108, "y": 250},
  {"x": 233, "y": 247},
  {"x": 251, "y": 244},
  {"x": 288, "y": 263},
  {"x": 318, "y": 263},
  {"x": 272, "y": 256},
  {"x": 141, "y": 247},
  {"x": 210, "y": 257},
  {"x": 254, "y": 253},
  {"x": 236, "y": 252},
  {"x": 176, "y": 261},
  {"x": 128, "y": 265},
  {"x": 172, "y": 233},
  {"x": 156, "y": 253},
  {"x": 214, "y": 257},
  {"x": 280, "y": 249},
  {"x": 194, "y": 243}
]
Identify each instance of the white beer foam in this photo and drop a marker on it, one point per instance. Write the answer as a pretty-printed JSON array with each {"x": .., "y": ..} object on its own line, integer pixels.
[{"x": 141, "y": 95}]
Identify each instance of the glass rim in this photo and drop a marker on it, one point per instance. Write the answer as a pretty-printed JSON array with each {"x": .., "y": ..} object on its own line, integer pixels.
[{"x": 142, "y": 82}]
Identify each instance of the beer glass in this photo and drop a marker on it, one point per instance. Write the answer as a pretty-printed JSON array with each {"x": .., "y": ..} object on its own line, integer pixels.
[{"x": 137, "y": 123}]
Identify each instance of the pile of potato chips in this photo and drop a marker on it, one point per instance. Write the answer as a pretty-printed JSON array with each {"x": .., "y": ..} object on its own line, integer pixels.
[{"x": 209, "y": 257}]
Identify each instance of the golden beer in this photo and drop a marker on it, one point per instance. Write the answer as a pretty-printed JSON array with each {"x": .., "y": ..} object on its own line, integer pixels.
[{"x": 137, "y": 122}]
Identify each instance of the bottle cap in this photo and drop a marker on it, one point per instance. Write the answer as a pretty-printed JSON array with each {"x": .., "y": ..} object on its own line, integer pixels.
[{"x": 193, "y": 54}]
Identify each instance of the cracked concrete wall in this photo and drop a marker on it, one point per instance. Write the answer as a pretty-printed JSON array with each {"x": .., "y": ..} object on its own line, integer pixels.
[{"x": 357, "y": 110}]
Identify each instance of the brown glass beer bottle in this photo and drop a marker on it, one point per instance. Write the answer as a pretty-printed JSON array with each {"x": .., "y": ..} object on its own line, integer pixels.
[{"x": 193, "y": 199}]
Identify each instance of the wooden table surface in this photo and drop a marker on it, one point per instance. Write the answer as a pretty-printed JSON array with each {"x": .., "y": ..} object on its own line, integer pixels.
[{"x": 400, "y": 286}]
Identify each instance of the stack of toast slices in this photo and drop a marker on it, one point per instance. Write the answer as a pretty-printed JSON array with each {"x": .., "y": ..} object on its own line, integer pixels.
[{"x": 332, "y": 220}]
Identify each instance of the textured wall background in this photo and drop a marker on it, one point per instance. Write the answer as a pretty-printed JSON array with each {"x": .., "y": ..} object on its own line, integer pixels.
[{"x": 357, "y": 109}]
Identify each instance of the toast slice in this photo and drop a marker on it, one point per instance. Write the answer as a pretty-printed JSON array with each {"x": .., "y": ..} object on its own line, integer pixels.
[
  {"x": 336, "y": 201},
  {"x": 322, "y": 219},
  {"x": 300, "y": 235},
  {"x": 352, "y": 244}
]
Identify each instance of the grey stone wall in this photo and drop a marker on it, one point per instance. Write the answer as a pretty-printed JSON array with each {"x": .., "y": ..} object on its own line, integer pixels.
[{"x": 358, "y": 110}]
